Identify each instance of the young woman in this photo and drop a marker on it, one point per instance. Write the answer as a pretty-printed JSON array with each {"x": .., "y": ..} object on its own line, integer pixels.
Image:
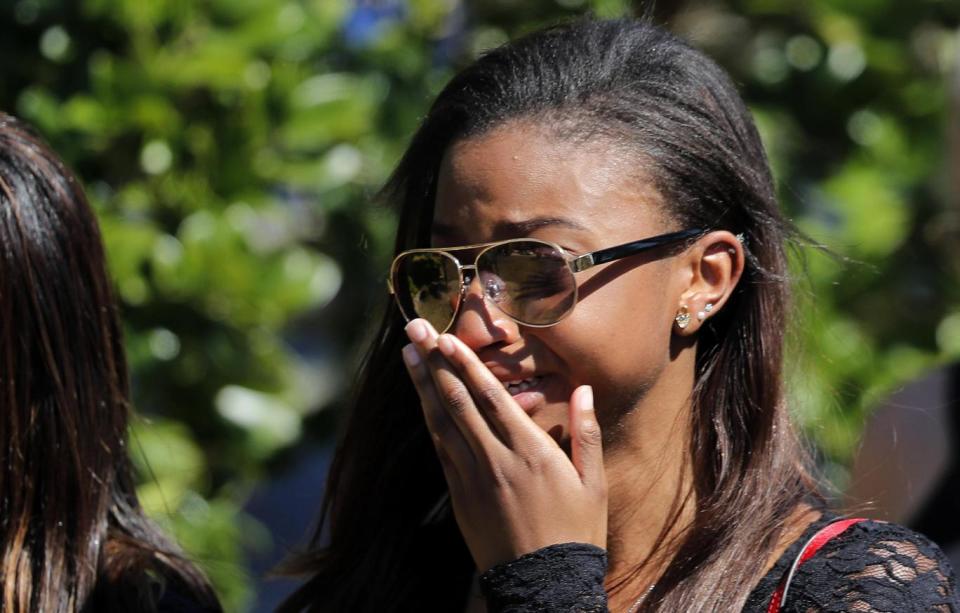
[
  {"x": 588, "y": 218},
  {"x": 72, "y": 534}
]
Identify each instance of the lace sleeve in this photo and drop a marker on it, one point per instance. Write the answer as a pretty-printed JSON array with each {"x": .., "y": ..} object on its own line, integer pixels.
[
  {"x": 875, "y": 567},
  {"x": 563, "y": 577}
]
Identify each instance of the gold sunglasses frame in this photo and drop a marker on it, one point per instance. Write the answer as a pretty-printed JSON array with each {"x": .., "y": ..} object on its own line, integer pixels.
[
  {"x": 576, "y": 263},
  {"x": 570, "y": 259}
]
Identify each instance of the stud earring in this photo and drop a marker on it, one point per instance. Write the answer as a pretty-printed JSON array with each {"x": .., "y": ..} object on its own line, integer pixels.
[
  {"x": 683, "y": 317},
  {"x": 701, "y": 315}
]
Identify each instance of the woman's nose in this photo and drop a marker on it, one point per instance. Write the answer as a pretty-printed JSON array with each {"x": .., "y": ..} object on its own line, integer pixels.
[{"x": 480, "y": 323}]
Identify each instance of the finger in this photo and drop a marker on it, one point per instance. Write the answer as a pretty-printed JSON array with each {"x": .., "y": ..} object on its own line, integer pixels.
[
  {"x": 506, "y": 418},
  {"x": 453, "y": 394},
  {"x": 452, "y": 448},
  {"x": 586, "y": 447},
  {"x": 450, "y": 472}
]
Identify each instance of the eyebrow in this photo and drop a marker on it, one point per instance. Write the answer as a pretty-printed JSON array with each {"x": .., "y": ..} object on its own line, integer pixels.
[{"x": 514, "y": 228}]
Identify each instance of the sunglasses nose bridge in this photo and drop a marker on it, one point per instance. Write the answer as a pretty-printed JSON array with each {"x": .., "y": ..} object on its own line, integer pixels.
[
  {"x": 487, "y": 301},
  {"x": 471, "y": 272},
  {"x": 468, "y": 272}
]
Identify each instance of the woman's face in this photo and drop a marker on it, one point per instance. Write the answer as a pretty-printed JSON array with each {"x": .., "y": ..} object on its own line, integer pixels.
[{"x": 518, "y": 181}]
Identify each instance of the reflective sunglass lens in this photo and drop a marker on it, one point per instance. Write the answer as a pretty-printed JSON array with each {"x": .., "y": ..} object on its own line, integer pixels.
[
  {"x": 529, "y": 281},
  {"x": 427, "y": 285}
]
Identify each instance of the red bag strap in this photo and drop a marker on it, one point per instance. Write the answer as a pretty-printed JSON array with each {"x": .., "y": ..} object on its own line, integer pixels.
[{"x": 818, "y": 540}]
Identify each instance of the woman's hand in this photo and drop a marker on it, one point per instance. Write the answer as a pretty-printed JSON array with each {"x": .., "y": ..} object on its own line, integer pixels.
[{"x": 512, "y": 487}]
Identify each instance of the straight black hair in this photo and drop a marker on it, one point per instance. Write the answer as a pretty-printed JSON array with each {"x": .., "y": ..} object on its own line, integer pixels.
[{"x": 73, "y": 536}]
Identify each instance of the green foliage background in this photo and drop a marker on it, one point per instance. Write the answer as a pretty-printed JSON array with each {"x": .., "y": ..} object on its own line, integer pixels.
[{"x": 231, "y": 149}]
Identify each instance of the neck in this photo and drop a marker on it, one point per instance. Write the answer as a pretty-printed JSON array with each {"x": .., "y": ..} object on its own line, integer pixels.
[{"x": 649, "y": 482}]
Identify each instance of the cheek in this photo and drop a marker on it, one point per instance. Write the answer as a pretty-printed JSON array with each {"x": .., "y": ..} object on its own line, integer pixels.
[
  {"x": 622, "y": 359},
  {"x": 619, "y": 343},
  {"x": 616, "y": 341}
]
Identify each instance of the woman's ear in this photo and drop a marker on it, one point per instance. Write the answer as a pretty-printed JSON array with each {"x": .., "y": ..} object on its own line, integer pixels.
[{"x": 714, "y": 265}]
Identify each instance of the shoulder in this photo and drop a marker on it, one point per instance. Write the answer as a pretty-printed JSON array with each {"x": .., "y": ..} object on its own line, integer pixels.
[{"x": 875, "y": 566}]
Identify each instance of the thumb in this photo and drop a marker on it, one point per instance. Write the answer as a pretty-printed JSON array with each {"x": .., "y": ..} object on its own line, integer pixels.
[{"x": 586, "y": 448}]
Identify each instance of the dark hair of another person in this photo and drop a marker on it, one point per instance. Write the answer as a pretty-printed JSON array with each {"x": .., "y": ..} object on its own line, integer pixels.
[
  {"x": 73, "y": 535},
  {"x": 679, "y": 116}
]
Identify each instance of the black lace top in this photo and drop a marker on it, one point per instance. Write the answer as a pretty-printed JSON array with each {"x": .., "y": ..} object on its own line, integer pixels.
[{"x": 871, "y": 567}]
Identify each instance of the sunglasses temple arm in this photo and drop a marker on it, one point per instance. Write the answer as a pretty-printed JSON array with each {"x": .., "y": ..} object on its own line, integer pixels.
[{"x": 609, "y": 254}]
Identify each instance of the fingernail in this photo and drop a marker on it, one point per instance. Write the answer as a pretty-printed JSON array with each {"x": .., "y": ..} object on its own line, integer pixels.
[
  {"x": 416, "y": 331},
  {"x": 446, "y": 345},
  {"x": 410, "y": 355},
  {"x": 586, "y": 397}
]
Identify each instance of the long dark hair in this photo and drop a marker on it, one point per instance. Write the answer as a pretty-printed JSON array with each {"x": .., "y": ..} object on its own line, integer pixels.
[
  {"x": 678, "y": 112},
  {"x": 73, "y": 535}
]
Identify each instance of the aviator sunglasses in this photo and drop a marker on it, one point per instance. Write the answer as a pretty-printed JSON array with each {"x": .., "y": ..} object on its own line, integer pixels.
[{"x": 531, "y": 281}]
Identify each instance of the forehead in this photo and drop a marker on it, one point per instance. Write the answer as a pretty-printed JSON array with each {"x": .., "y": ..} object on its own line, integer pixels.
[{"x": 516, "y": 173}]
